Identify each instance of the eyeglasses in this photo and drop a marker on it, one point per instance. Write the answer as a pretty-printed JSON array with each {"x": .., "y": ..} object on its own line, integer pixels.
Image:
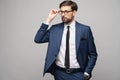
[{"x": 65, "y": 12}]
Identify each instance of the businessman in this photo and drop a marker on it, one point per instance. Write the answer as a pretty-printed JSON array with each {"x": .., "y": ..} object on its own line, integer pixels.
[{"x": 71, "y": 53}]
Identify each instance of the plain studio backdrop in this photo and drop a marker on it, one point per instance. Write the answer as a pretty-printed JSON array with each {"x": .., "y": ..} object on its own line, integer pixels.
[{"x": 22, "y": 59}]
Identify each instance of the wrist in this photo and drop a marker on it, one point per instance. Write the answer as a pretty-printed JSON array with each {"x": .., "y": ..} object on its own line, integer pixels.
[
  {"x": 48, "y": 20},
  {"x": 45, "y": 22},
  {"x": 86, "y": 74}
]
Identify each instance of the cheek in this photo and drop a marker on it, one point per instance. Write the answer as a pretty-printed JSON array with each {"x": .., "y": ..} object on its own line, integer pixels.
[{"x": 69, "y": 16}]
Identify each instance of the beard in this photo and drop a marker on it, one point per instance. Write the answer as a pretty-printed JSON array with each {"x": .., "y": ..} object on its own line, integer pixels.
[{"x": 67, "y": 20}]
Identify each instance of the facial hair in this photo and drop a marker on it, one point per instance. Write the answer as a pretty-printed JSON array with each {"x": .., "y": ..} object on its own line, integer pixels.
[{"x": 67, "y": 20}]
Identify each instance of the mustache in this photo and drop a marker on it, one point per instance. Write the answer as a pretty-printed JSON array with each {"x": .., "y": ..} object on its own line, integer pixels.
[{"x": 63, "y": 17}]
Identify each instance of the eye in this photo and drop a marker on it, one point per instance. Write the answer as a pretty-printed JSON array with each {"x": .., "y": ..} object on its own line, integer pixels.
[{"x": 65, "y": 12}]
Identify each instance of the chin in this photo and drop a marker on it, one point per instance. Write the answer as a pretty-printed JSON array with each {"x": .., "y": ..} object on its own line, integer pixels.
[{"x": 67, "y": 22}]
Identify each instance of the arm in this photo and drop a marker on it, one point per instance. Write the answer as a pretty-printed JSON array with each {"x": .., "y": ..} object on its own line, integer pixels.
[
  {"x": 42, "y": 35},
  {"x": 92, "y": 53}
]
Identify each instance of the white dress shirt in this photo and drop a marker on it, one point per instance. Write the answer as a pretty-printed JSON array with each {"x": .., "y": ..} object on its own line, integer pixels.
[{"x": 60, "y": 60}]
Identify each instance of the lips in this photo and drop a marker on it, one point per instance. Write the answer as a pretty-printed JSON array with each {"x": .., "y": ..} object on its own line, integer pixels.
[{"x": 64, "y": 18}]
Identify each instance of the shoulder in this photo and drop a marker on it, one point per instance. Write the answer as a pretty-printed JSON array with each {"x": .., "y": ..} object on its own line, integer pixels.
[
  {"x": 81, "y": 25},
  {"x": 58, "y": 24}
]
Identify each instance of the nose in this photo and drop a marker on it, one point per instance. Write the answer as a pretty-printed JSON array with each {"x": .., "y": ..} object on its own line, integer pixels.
[{"x": 62, "y": 14}]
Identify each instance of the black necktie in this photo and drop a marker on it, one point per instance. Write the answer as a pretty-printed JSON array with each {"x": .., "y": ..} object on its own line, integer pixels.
[{"x": 67, "y": 64}]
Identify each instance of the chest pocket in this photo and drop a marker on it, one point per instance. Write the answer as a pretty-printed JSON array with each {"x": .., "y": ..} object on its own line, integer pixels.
[{"x": 83, "y": 43}]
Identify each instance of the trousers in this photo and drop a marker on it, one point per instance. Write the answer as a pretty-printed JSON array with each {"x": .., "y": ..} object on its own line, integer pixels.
[{"x": 61, "y": 75}]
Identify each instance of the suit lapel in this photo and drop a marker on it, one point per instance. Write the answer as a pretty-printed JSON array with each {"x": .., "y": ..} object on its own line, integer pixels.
[
  {"x": 60, "y": 33},
  {"x": 78, "y": 35}
]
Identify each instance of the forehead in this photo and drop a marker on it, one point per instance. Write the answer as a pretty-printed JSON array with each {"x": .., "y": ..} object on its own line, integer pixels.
[{"x": 65, "y": 8}]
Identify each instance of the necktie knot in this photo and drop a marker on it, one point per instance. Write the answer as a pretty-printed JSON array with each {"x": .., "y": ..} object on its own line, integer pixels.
[{"x": 68, "y": 27}]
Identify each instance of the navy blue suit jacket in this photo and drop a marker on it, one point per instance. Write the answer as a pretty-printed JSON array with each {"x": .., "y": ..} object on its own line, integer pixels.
[{"x": 85, "y": 47}]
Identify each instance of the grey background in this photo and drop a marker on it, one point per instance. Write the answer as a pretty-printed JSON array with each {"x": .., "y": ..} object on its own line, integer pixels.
[{"x": 22, "y": 59}]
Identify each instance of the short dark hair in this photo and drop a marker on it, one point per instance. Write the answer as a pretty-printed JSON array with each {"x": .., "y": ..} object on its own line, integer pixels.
[{"x": 69, "y": 3}]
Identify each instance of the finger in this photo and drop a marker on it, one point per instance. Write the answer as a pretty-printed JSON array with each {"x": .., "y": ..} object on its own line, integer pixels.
[{"x": 54, "y": 11}]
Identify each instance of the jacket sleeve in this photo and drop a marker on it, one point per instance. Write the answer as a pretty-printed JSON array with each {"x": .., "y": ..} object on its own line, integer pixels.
[
  {"x": 42, "y": 34},
  {"x": 92, "y": 54}
]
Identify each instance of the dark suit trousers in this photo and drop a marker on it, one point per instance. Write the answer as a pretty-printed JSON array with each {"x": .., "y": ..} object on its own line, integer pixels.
[{"x": 61, "y": 75}]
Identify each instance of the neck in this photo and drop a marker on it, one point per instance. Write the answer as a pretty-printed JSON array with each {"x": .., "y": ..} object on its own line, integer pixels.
[{"x": 69, "y": 22}]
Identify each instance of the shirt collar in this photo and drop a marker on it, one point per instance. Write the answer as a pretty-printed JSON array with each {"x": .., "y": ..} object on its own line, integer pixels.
[{"x": 72, "y": 25}]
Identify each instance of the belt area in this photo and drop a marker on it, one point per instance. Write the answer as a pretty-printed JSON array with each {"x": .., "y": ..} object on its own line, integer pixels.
[{"x": 69, "y": 70}]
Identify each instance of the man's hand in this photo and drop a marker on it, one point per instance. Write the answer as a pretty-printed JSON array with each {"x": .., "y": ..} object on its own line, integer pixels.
[
  {"x": 86, "y": 77},
  {"x": 53, "y": 13}
]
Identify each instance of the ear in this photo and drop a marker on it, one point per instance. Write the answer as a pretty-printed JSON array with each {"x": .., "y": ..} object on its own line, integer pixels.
[{"x": 74, "y": 13}]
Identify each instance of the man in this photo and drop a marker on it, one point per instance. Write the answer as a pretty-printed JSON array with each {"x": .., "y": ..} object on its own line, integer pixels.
[{"x": 71, "y": 53}]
